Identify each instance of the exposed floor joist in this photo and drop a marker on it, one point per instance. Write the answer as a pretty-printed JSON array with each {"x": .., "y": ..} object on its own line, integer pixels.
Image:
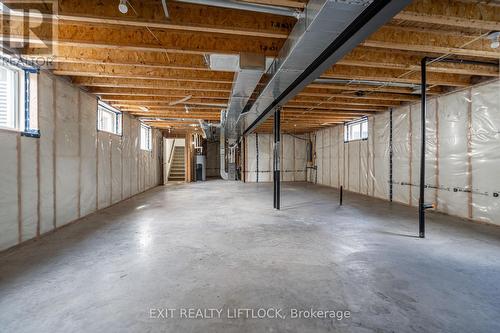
[{"x": 143, "y": 59}]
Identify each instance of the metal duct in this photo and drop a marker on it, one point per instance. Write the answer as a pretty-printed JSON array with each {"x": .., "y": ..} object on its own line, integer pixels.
[
  {"x": 326, "y": 33},
  {"x": 246, "y": 78},
  {"x": 251, "y": 68},
  {"x": 222, "y": 145},
  {"x": 253, "y": 7}
]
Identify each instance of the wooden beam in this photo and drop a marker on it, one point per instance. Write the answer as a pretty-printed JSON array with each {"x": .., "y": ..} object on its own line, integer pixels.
[
  {"x": 136, "y": 73},
  {"x": 283, "y": 3},
  {"x": 456, "y": 14},
  {"x": 163, "y": 99},
  {"x": 118, "y": 57},
  {"x": 183, "y": 17},
  {"x": 304, "y": 107},
  {"x": 338, "y": 71},
  {"x": 359, "y": 95},
  {"x": 139, "y": 39},
  {"x": 360, "y": 57},
  {"x": 341, "y": 100},
  {"x": 431, "y": 43},
  {"x": 393, "y": 75},
  {"x": 131, "y": 94},
  {"x": 326, "y": 87},
  {"x": 300, "y": 102},
  {"x": 151, "y": 83},
  {"x": 369, "y": 57}
]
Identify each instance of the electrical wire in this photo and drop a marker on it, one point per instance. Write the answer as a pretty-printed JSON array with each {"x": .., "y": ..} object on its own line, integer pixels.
[
  {"x": 151, "y": 32},
  {"x": 376, "y": 89}
]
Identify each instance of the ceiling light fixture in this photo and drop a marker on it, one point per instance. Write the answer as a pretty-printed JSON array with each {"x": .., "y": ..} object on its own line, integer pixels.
[
  {"x": 122, "y": 7},
  {"x": 495, "y": 39},
  {"x": 186, "y": 108}
]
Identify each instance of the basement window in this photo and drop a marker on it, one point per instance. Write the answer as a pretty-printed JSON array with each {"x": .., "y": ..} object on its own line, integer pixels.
[
  {"x": 18, "y": 98},
  {"x": 146, "y": 140},
  {"x": 356, "y": 130},
  {"x": 109, "y": 119}
]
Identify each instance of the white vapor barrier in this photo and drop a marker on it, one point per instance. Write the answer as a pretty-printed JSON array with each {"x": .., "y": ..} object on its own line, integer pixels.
[
  {"x": 326, "y": 157},
  {"x": 134, "y": 160},
  {"x": 371, "y": 157},
  {"x": 116, "y": 168},
  {"x": 46, "y": 117},
  {"x": 453, "y": 128},
  {"x": 415, "y": 129},
  {"x": 126, "y": 158},
  {"x": 251, "y": 160},
  {"x": 140, "y": 172},
  {"x": 88, "y": 154},
  {"x": 334, "y": 158},
  {"x": 431, "y": 144},
  {"x": 462, "y": 154},
  {"x": 363, "y": 167},
  {"x": 53, "y": 180},
  {"x": 354, "y": 149},
  {"x": 401, "y": 154},
  {"x": 485, "y": 152},
  {"x": 29, "y": 187},
  {"x": 381, "y": 155},
  {"x": 259, "y": 157},
  {"x": 300, "y": 160},
  {"x": 319, "y": 157},
  {"x": 265, "y": 157},
  {"x": 287, "y": 158},
  {"x": 9, "y": 218},
  {"x": 341, "y": 156},
  {"x": 104, "y": 169},
  {"x": 67, "y": 159}
]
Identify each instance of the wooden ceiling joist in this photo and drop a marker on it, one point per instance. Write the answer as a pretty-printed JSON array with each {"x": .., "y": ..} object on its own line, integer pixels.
[
  {"x": 457, "y": 14},
  {"x": 143, "y": 60},
  {"x": 393, "y": 75},
  {"x": 375, "y": 58},
  {"x": 119, "y": 93},
  {"x": 150, "y": 83},
  {"x": 182, "y": 17},
  {"x": 431, "y": 43},
  {"x": 142, "y": 39}
]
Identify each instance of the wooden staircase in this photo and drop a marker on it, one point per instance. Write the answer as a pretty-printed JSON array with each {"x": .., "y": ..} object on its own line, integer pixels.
[{"x": 177, "y": 169}]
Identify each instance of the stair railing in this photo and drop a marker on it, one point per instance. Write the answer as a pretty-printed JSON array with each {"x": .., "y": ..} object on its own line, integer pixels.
[{"x": 169, "y": 165}]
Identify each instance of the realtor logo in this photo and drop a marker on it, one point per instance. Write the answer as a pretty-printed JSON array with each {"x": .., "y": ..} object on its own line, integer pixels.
[{"x": 29, "y": 28}]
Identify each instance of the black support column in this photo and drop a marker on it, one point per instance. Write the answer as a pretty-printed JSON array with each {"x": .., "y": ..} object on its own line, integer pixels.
[
  {"x": 421, "y": 200},
  {"x": 277, "y": 164}
]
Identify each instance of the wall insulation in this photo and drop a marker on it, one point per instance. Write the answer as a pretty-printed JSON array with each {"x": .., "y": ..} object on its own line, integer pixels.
[
  {"x": 259, "y": 159},
  {"x": 462, "y": 154},
  {"x": 71, "y": 170}
]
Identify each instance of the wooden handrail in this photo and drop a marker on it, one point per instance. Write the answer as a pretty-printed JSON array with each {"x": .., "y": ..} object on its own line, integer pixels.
[{"x": 171, "y": 152}]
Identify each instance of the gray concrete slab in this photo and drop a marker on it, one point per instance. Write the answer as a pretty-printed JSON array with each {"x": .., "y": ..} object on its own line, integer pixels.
[{"x": 221, "y": 245}]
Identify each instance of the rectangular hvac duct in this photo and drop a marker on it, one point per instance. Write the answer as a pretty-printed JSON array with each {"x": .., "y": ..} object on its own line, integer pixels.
[
  {"x": 326, "y": 32},
  {"x": 251, "y": 68}
]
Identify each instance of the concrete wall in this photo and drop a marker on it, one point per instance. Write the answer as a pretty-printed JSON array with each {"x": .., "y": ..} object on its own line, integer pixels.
[
  {"x": 71, "y": 170},
  {"x": 462, "y": 155},
  {"x": 259, "y": 157}
]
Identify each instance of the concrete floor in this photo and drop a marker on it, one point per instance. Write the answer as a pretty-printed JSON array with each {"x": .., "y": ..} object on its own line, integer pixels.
[{"x": 221, "y": 245}]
